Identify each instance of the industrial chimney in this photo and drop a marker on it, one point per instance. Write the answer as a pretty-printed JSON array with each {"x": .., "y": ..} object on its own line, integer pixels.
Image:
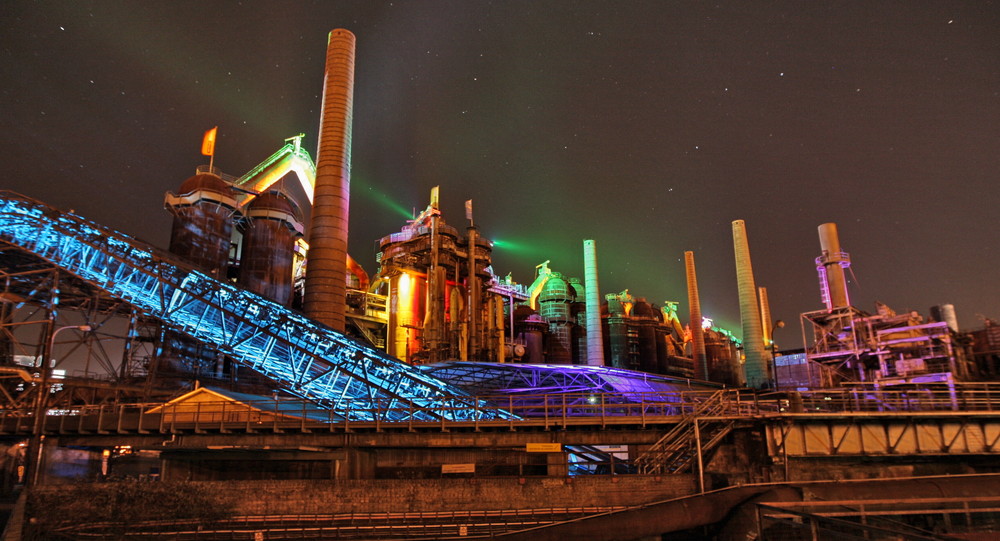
[
  {"x": 694, "y": 308},
  {"x": 755, "y": 366},
  {"x": 326, "y": 271},
  {"x": 595, "y": 340},
  {"x": 945, "y": 313},
  {"x": 830, "y": 266}
]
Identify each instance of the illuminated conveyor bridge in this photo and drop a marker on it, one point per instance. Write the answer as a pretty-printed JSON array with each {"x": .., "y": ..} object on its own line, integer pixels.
[{"x": 306, "y": 358}]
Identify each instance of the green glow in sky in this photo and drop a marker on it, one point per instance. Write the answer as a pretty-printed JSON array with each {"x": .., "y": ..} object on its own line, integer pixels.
[
  {"x": 515, "y": 246},
  {"x": 363, "y": 188}
]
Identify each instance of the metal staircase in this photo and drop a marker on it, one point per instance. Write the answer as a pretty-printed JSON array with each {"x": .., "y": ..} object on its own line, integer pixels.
[
  {"x": 678, "y": 448},
  {"x": 306, "y": 358}
]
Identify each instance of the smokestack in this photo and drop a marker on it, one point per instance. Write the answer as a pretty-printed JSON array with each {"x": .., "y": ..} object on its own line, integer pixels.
[
  {"x": 595, "y": 340},
  {"x": 945, "y": 313},
  {"x": 694, "y": 308},
  {"x": 755, "y": 366},
  {"x": 831, "y": 265},
  {"x": 326, "y": 273}
]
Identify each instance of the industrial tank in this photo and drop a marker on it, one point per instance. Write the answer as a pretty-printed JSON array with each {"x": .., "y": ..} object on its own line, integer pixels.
[
  {"x": 644, "y": 321},
  {"x": 407, "y": 306},
  {"x": 203, "y": 223},
  {"x": 530, "y": 329},
  {"x": 272, "y": 223},
  {"x": 554, "y": 304},
  {"x": 618, "y": 353}
]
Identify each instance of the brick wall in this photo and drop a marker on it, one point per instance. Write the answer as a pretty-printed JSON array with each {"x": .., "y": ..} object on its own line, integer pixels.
[{"x": 374, "y": 496}]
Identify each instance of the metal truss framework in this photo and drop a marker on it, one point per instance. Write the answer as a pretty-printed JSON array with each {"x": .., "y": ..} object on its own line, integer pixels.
[
  {"x": 493, "y": 378},
  {"x": 306, "y": 358},
  {"x": 38, "y": 298},
  {"x": 915, "y": 434}
]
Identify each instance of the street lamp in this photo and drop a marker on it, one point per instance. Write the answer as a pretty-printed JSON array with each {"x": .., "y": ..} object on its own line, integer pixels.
[
  {"x": 34, "y": 461},
  {"x": 774, "y": 350}
]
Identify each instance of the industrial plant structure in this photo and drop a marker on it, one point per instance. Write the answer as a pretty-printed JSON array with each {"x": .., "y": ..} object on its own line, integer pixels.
[{"x": 256, "y": 348}]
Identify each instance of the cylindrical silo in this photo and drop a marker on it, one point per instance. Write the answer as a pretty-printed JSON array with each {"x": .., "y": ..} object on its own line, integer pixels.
[
  {"x": 203, "y": 223},
  {"x": 406, "y": 313},
  {"x": 595, "y": 351},
  {"x": 554, "y": 304},
  {"x": 694, "y": 308},
  {"x": 326, "y": 274},
  {"x": 271, "y": 224},
  {"x": 755, "y": 366},
  {"x": 619, "y": 354}
]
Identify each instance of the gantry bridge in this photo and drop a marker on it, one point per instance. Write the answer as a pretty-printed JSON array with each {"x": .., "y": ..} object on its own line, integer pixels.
[
  {"x": 303, "y": 357},
  {"x": 675, "y": 436}
]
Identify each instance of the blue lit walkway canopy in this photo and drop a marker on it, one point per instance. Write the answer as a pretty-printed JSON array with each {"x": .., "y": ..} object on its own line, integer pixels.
[
  {"x": 519, "y": 379},
  {"x": 306, "y": 358}
]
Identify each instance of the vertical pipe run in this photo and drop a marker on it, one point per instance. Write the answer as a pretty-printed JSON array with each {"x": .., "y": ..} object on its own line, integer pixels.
[
  {"x": 755, "y": 367},
  {"x": 35, "y": 451},
  {"x": 698, "y": 450},
  {"x": 832, "y": 258},
  {"x": 326, "y": 274},
  {"x": 434, "y": 316},
  {"x": 765, "y": 316},
  {"x": 694, "y": 308},
  {"x": 474, "y": 310},
  {"x": 767, "y": 330},
  {"x": 595, "y": 340}
]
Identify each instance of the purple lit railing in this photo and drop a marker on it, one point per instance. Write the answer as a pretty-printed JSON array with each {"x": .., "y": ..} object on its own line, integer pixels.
[{"x": 549, "y": 411}]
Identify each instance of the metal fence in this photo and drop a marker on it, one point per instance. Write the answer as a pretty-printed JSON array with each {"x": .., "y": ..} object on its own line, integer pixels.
[
  {"x": 544, "y": 410},
  {"x": 911, "y": 519}
]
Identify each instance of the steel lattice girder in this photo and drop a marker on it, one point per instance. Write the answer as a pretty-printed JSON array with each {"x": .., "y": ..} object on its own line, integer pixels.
[
  {"x": 511, "y": 378},
  {"x": 307, "y": 358}
]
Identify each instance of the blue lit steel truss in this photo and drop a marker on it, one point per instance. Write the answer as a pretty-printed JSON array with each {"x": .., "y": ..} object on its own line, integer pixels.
[{"x": 306, "y": 358}]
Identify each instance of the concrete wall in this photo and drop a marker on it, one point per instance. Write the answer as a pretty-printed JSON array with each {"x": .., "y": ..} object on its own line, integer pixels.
[{"x": 375, "y": 496}]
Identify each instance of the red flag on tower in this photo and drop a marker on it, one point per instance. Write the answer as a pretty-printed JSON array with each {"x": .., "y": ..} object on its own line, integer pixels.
[{"x": 208, "y": 143}]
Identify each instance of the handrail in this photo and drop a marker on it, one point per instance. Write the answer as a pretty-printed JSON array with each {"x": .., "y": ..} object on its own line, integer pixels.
[{"x": 552, "y": 410}]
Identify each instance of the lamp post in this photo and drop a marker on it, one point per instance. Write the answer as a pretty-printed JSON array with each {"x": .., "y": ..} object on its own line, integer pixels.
[
  {"x": 34, "y": 461},
  {"x": 774, "y": 349}
]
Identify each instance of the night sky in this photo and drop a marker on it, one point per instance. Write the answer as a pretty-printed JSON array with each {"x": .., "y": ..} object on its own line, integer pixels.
[{"x": 647, "y": 126}]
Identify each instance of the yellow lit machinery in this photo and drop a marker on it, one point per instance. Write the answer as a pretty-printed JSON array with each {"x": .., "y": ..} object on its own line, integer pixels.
[{"x": 440, "y": 302}]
